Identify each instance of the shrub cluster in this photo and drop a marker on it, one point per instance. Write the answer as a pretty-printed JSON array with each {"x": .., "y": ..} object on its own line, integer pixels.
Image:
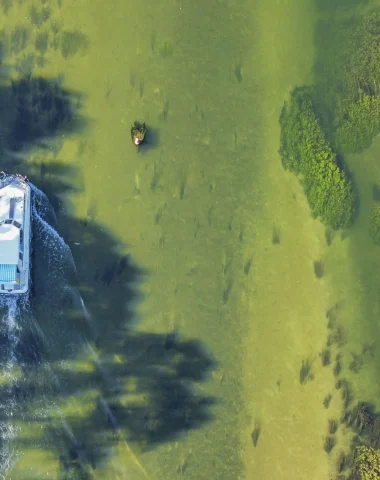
[{"x": 306, "y": 151}]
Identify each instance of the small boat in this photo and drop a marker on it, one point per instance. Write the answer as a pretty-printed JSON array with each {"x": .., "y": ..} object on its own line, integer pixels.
[{"x": 15, "y": 234}]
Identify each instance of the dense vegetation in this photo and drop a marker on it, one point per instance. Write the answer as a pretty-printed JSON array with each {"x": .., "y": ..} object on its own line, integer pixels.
[
  {"x": 358, "y": 121},
  {"x": 339, "y": 114},
  {"x": 367, "y": 463},
  {"x": 349, "y": 84},
  {"x": 306, "y": 151}
]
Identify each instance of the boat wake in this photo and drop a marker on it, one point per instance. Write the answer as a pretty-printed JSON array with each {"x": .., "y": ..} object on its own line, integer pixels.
[
  {"x": 11, "y": 310},
  {"x": 59, "y": 252},
  {"x": 23, "y": 338}
]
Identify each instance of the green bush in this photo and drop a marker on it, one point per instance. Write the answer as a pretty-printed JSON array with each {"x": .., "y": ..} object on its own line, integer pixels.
[
  {"x": 306, "y": 151},
  {"x": 367, "y": 463}
]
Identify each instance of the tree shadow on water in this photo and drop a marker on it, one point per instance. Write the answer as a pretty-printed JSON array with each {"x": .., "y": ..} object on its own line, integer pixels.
[
  {"x": 143, "y": 386},
  {"x": 95, "y": 380},
  {"x": 40, "y": 108},
  {"x": 34, "y": 110},
  {"x": 146, "y": 382}
]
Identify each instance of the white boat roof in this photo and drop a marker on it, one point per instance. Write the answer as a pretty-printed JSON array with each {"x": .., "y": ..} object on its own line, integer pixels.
[
  {"x": 10, "y": 244},
  {"x": 12, "y": 191},
  {"x": 11, "y": 207}
]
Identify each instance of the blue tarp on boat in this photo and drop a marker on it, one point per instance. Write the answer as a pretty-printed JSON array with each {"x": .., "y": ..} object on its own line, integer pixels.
[{"x": 8, "y": 272}]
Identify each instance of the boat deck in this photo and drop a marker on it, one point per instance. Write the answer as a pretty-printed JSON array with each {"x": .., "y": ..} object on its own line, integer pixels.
[{"x": 14, "y": 235}]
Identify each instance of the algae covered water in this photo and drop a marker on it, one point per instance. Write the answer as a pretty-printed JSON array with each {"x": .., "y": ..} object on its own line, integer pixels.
[{"x": 189, "y": 317}]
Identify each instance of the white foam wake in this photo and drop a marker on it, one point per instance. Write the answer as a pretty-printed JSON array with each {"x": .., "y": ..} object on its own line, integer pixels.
[{"x": 11, "y": 308}]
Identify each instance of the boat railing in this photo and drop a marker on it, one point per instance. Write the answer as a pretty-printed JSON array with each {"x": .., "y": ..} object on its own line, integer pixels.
[{"x": 9, "y": 221}]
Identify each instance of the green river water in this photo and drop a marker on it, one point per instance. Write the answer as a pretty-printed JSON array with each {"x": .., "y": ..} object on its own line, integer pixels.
[{"x": 194, "y": 254}]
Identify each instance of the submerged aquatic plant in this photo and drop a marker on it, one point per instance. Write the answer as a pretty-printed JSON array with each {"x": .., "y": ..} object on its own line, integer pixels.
[
  {"x": 333, "y": 426},
  {"x": 331, "y": 316},
  {"x": 305, "y": 372},
  {"x": 327, "y": 400},
  {"x": 319, "y": 268},
  {"x": 375, "y": 193},
  {"x": 364, "y": 56},
  {"x": 73, "y": 42},
  {"x": 336, "y": 337},
  {"x": 326, "y": 357},
  {"x": 340, "y": 383},
  {"x": 346, "y": 395},
  {"x": 338, "y": 365},
  {"x": 343, "y": 462},
  {"x": 329, "y": 443},
  {"x": 275, "y": 235},
  {"x": 306, "y": 151},
  {"x": 356, "y": 362},
  {"x": 19, "y": 39},
  {"x": 329, "y": 236},
  {"x": 374, "y": 229},
  {"x": 42, "y": 42},
  {"x": 255, "y": 435},
  {"x": 38, "y": 17},
  {"x": 364, "y": 417}
]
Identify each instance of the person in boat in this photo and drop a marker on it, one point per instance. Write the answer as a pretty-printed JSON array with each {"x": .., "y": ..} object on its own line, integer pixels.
[{"x": 138, "y": 132}]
